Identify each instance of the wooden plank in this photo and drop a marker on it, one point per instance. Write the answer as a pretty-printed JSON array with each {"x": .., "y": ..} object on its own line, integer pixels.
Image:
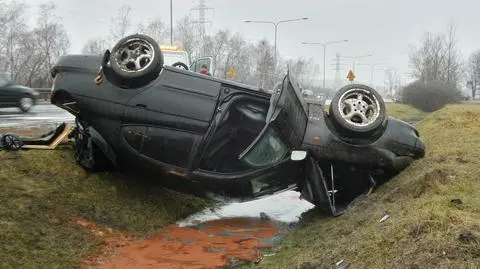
[{"x": 55, "y": 142}]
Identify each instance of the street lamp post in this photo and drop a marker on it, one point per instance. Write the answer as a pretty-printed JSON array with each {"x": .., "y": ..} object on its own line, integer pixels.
[
  {"x": 324, "y": 53},
  {"x": 275, "y": 24},
  {"x": 171, "y": 22},
  {"x": 373, "y": 67}
]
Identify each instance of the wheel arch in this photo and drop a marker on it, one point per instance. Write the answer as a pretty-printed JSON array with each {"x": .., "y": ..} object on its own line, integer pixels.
[{"x": 102, "y": 144}]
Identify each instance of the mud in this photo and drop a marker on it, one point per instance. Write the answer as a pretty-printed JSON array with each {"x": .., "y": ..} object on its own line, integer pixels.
[
  {"x": 226, "y": 236},
  {"x": 214, "y": 244}
]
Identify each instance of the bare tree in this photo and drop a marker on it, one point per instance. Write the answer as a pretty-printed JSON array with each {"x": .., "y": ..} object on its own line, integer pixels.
[
  {"x": 304, "y": 70},
  {"x": 156, "y": 29},
  {"x": 185, "y": 35},
  {"x": 121, "y": 23},
  {"x": 265, "y": 72},
  {"x": 95, "y": 46},
  {"x": 14, "y": 27},
  {"x": 438, "y": 58},
  {"x": 32, "y": 65},
  {"x": 217, "y": 47},
  {"x": 473, "y": 73},
  {"x": 454, "y": 66},
  {"x": 239, "y": 57},
  {"x": 51, "y": 37}
]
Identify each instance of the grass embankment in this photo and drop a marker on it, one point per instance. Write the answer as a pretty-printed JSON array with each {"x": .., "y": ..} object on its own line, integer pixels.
[
  {"x": 45, "y": 192},
  {"x": 426, "y": 229},
  {"x": 405, "y": 112}
]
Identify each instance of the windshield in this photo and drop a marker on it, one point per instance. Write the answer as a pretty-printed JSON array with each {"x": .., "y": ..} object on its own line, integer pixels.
[
  {"x": 171, "y": 57},
  {"x": 269, "y": 149}
]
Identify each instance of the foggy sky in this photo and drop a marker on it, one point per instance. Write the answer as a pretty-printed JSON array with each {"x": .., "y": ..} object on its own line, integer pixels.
[{"x": 384, "y": 28}]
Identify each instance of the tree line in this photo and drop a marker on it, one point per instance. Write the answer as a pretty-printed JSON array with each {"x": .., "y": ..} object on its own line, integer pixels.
[
  {"x": 26, "y": 52},
  {"x": 29, "y": 52},
  {"x": 441, "y": 72},
  {"x": 254, "y": 63}
]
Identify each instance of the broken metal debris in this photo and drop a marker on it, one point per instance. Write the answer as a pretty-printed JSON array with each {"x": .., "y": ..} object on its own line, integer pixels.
[
  {"x": 457, "y": 201},
  {"x": 10, "y": 142},
  {"x": 387, "y": 216},
  {"x": 49, "y": 140}
]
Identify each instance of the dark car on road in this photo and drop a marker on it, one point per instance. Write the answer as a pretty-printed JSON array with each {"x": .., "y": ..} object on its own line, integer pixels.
[
  {"x": 13, "y": 95},
  {"x": 225, "y": 140}
]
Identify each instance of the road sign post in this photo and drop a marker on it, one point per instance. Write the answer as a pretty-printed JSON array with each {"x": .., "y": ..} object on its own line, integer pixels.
[
  {"x": 232, "y": 73},
  {"x": 351, "y": 76}
]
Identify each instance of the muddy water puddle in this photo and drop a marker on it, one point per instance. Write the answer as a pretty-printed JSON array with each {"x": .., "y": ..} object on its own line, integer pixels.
[{"x": 228, "y": 235}]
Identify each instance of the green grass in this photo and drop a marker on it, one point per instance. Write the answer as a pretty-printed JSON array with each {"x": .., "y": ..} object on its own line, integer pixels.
[
  {"x": 405, "y": 112},
  {"x": 424, "y": 225},
  {"x": 44, "y": 192}
]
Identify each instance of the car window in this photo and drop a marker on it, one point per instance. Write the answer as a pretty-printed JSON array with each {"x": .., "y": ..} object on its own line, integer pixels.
[{"x": 269, "y": 149}]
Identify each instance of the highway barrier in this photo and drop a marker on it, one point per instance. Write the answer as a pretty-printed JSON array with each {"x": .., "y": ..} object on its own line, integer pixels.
[{"x": 44, "y": 94}]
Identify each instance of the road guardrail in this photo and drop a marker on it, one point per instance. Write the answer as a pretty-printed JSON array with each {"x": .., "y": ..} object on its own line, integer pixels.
[{"x": 44, "y": 93}]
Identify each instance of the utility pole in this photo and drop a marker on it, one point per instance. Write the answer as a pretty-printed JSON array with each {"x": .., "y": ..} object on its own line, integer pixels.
[
  {"x": 171, "y": 22},
  {"x": 474, "y": 81},
  {"x": 337, "y": 82},
  {"x": 324, "y": 53},
  {"x": 373, "y": 68},
  {"x": 202, "y": 20}
]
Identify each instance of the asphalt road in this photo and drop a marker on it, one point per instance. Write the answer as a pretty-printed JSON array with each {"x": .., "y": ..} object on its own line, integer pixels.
[{"x": 40, "y": 115}]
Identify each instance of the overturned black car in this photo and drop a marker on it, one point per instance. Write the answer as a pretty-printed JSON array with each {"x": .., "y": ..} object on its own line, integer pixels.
[{"x": 224, "y": 140}]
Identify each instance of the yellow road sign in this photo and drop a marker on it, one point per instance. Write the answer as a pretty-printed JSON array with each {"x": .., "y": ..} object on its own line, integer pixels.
[
  {"x": 351, "y": 75},
  {"x": 231, "y": 73}
]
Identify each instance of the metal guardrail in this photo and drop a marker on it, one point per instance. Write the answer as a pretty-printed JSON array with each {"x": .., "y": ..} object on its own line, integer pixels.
[{"x": 44, "y": 93}]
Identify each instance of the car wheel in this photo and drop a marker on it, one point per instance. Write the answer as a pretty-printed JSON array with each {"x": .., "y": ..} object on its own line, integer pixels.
[
  {"x": 357, "y": 109},
  {"x": 10, "y": 142},
  {"x": 136, "y": 59},
  {"x": 25, "y": 103},
  {"x": 180, "y": 65}
]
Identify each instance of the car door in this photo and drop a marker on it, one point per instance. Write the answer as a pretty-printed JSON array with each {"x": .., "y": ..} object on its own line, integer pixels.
[
  {"x": 286, "y": 123},
  {"x": 165, "y": 123},
  {"x": 284, "y": 130},
  {"x": 197, "y": 64},
  {"x": 8, "y": 96}
]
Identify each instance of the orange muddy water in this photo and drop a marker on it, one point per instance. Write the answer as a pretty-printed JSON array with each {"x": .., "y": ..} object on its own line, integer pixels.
[
  {"x": 214, "y": 244},
  {"x": 237, "y": 235}
]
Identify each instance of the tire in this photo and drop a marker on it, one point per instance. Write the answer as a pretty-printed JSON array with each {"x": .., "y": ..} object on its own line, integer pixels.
[
  {"x": 136, "y": 59},
  {"x": 180, "y": 65},
  {"x": 357, "y": 110},
  {"x": 26, "y": 103}
]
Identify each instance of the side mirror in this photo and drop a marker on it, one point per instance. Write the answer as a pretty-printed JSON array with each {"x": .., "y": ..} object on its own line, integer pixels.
[{"x": 298, "y": 155}]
